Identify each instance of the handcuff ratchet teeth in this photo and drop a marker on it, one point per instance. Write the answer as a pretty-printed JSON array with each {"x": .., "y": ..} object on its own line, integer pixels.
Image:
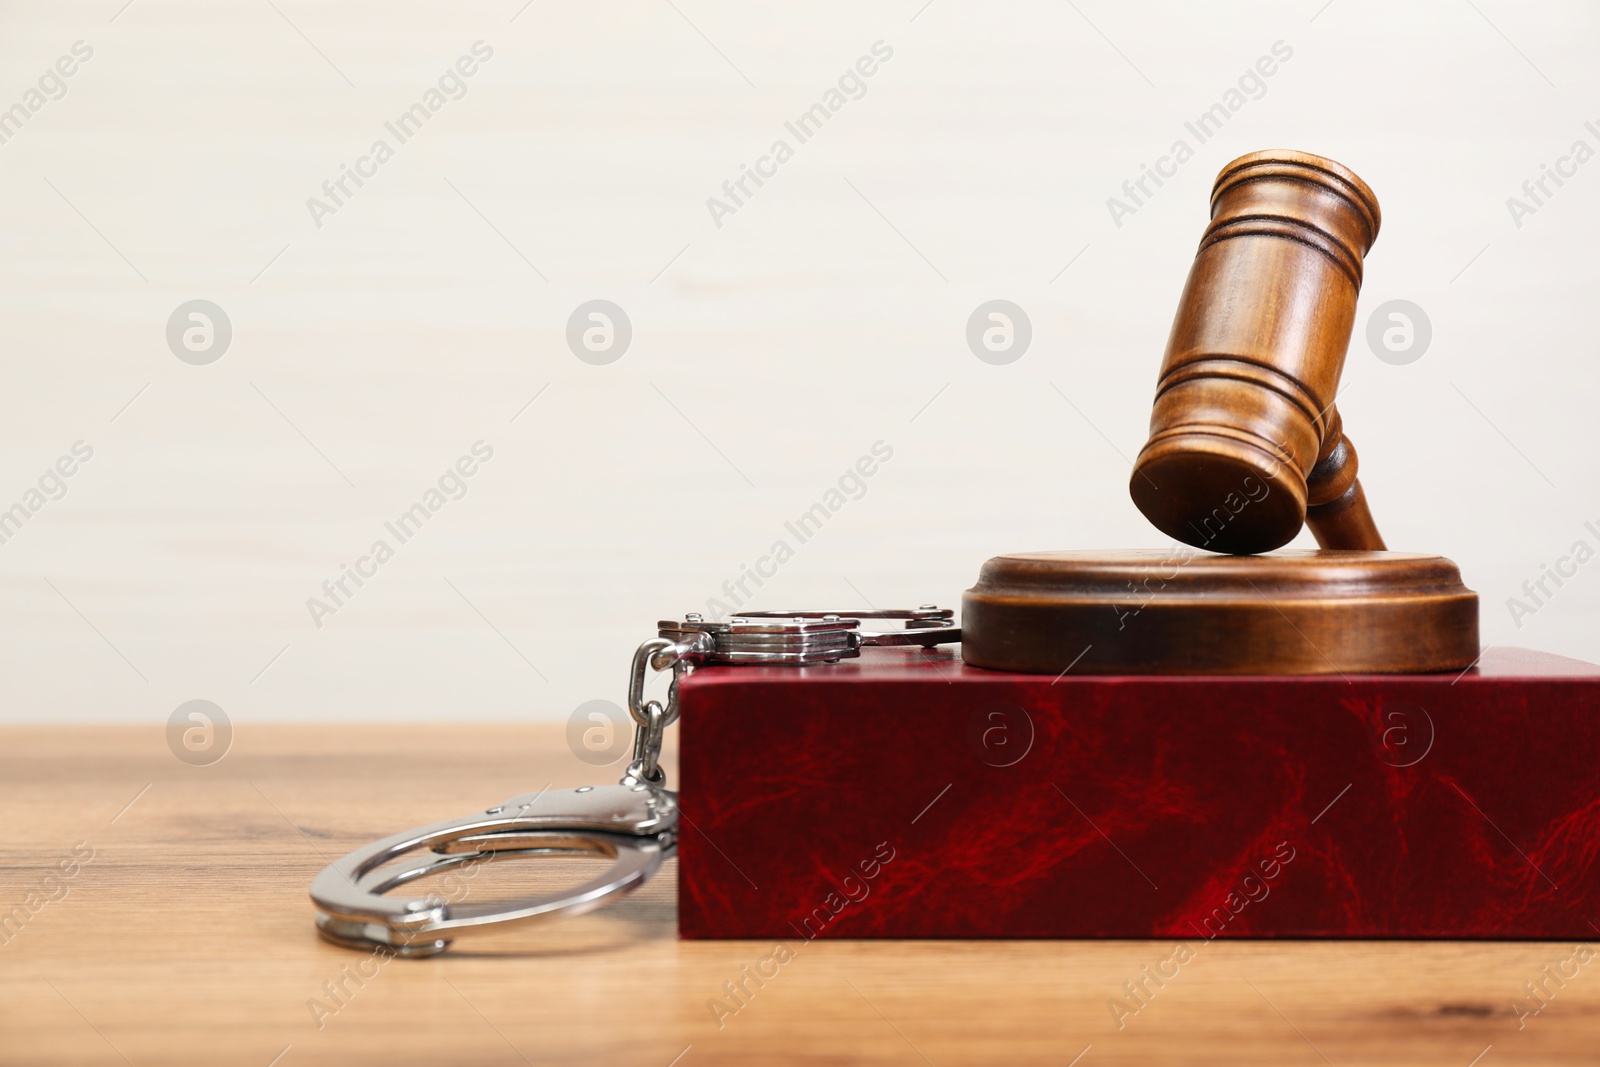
[{"x": 633, "y": 823}]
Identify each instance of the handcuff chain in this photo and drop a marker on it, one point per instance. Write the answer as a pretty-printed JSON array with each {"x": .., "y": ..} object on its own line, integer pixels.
[{"x": 650, "y": 718}]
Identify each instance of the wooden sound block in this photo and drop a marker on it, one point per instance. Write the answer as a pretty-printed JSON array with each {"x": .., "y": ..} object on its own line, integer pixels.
[{"x": 1188, "y": 612}]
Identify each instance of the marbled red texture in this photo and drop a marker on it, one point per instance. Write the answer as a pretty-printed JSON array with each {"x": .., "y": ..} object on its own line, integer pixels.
[{"x": 1146, "y": 805}]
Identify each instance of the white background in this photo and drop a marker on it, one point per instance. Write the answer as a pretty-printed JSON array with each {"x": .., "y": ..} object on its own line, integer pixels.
[{"x": 378, "y": 347}]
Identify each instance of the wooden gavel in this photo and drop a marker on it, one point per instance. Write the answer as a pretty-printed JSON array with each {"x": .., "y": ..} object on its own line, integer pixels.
[{"x": 1245, "y": 443}]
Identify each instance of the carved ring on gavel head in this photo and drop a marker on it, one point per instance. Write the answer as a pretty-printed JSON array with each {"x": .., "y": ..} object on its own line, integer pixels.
[{"x": 1245, "y": 444}]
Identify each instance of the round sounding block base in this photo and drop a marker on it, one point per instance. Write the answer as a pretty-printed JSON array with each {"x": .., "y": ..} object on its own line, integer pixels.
[{"x": 1190, "y": 612}]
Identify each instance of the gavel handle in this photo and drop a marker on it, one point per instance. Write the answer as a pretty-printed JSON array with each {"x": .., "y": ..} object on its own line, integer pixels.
[
  {"x": 1346, "y": 523},
  {"x": 1336, "y": 508}
]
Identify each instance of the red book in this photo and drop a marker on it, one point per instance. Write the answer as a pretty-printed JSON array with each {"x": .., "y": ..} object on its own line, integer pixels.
[{"x": 907, "y": 795}]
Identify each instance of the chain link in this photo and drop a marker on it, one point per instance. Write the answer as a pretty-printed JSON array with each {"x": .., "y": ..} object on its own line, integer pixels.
[
  {"x": 646, "y": 765},
  {"x": 650, "y": 717}
]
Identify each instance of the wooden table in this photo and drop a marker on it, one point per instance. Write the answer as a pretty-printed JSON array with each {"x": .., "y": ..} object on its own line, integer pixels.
[{"x": 188, "y": 939}]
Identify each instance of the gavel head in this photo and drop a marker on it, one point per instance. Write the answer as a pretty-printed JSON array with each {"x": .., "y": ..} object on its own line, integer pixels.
[{"x": 1244, "y": 406}]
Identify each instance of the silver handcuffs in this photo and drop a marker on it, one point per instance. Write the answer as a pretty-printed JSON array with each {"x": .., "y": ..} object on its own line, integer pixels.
[{"x": 634, "y": 823}]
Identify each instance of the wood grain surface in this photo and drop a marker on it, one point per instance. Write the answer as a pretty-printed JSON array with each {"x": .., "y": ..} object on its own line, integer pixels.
[{"x": 187, "y": 939}]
